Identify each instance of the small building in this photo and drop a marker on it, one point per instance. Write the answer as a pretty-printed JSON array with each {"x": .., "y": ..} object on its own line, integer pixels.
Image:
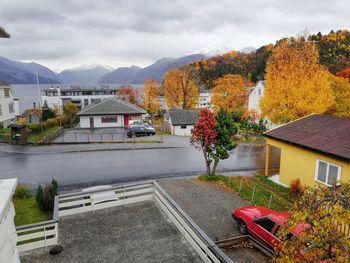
[
  {"x": 315, "y": 149},
  {"x": 81, "y": 96},
  {"x": 111, "y": 112},
  {"x": 182, "y": 121},
  {"x": 204, "y": 100},
  {"x": 9, "y": 107},
  {"x": 254, "y": 97}
]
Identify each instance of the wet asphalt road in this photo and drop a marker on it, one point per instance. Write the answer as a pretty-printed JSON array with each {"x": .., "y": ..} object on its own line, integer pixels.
[{"x": 82, "y": 169}]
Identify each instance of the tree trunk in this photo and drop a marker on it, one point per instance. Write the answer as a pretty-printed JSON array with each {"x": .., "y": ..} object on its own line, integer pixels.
[
  {"x": 214, "y": 167},
  {"x": 207, "y": 162}
]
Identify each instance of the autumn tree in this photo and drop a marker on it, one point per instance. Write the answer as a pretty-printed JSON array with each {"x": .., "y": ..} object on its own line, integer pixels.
[
  {"x": 345, "y": 73},
  {"x": 204, "y": 136},
  {"x": 149, "y": 96},
  {"x": 69, "y": 111},
  {"x": 179, "y": 90},
  {"x": 212, "y": 135},
  {"x": 341, "y": 91},
  {"x": 295, "y": 83},
  {"x": 229, "y": 93},
  {"x": 318, "y": 213},
  {"x": 127, "y": 93}
]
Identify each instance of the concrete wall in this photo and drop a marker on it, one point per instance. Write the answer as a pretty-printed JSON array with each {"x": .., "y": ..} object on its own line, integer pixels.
[
  {"x": 8, "y": 236},
  {"x": 297, "y": 162},
  {"x": 177, "y": 130}
]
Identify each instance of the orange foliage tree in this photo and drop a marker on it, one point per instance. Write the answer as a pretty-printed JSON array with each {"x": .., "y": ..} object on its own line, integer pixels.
[
  {"x": 341, "y": 90},
  {"x": 229, "y": 93},
  {"x": 149, "y": 96},
  {"x": 296, "y": 84},
  {"x": 127, "y": 93},
  {"x": 179, "y": 90},
  {"x": 345, "y": 73}
]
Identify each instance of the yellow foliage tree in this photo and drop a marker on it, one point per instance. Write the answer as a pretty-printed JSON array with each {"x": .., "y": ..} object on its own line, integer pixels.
[
  {"x": 296, "y": 84},
  {"x": 341, "y": 90},
  {"x": 229, "y": 93},
  {"x": 179, "y": 90},
  {"x": 149, "y": 96}
]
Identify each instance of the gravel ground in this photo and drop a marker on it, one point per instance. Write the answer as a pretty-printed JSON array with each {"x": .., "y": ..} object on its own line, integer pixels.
[
  {"x": 210, "y": 206},
  {"x": 134, "y": 233}
]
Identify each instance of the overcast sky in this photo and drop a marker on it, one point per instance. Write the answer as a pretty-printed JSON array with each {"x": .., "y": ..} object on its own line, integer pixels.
[{"x": 68, "y": 33}]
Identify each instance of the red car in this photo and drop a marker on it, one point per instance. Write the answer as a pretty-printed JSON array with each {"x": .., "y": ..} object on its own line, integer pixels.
[{"x": 262, "y": 224}]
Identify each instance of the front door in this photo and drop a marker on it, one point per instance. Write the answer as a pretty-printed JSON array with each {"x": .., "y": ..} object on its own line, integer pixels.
[
  {"x": 91, "y": 122},
  {"x": 126, "y": 120}
]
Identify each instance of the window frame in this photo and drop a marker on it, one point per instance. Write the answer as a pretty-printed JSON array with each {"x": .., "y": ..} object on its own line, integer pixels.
[
  {"x": 327, "y": 172},
  {"x": 7, "y": 94},
  {"x": 265, "y": 218},
  {"x": 183, "y": 127},
  {"x": 11, "y": 107}
]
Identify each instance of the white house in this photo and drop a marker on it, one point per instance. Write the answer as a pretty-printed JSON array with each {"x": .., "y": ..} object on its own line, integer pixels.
[
  {"x": 182, "y": 121},
  {"x": 204, "y": 100},
  {"x": 82, "y": 97},
  {"x": 8, "y": 236},
  {"x": 254, "y": 97},
  {"x": 9, "y": 107},
  {"x": 108, "y": 113}
]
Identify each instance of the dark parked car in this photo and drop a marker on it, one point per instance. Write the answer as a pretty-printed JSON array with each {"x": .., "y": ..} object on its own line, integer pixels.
[{"x": 137, "y": 131}]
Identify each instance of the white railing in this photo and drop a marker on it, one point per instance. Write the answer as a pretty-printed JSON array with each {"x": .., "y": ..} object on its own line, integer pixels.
[
  {"x": 71, "y": 204},
  {"x": 37, "y": 235},
  {"x": 46, "y": 233},
  {"x": 201, "y": 243}
]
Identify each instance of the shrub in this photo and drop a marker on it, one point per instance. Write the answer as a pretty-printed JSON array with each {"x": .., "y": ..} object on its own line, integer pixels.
[
  {"x": 52, "y": 122},
  {"x": 39, "y": 197},
  {"x": 35, "y": 127},
  {"x": 45, "y": 197},
  {"x": 22, "y": 192},
  {"x": 53, "y": 188},
  {"x": 296, "y": 188}
]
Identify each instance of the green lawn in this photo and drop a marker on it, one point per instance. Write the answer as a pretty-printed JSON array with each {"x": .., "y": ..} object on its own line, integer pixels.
[
  {"x": 28, "y": 212},
  {"x": 35, "y": 137},
  {"x": 281, "y": 198},
  {"x": 5, "y": 130}
]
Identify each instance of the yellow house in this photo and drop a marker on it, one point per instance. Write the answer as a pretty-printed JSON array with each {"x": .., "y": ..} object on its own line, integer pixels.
[{"x": 315, "y": 149}]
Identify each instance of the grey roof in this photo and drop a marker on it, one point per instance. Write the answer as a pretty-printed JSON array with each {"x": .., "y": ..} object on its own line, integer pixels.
[
  {"x": 183, "y": 117},
  {"x": 3, "y": 83},
  {"x": 111, "y": 106}
]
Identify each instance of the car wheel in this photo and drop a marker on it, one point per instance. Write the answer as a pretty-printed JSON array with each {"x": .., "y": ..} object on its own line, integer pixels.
[{"x": 242, "y": 227}]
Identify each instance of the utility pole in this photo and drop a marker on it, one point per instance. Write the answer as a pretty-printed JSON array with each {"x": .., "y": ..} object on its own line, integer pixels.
[{"x": 40, "y": 106}]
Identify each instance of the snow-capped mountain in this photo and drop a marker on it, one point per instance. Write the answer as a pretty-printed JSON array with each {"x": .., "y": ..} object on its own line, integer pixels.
[{"x": 213, "y": 50}]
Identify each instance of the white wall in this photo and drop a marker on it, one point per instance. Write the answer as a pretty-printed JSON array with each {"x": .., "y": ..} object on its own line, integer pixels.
[
  {"x": 254, "y": 97},
  {"x": 8, "y": 236},
  {"x": 85, "y": 122},
  {"x": 6, "y": 116},
  {"x": 57, "y": 100},
  {"x": 176, "y": 130}
]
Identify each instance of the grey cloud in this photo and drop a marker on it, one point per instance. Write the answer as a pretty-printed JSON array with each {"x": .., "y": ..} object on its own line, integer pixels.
[{"x": 64, "y": 33}]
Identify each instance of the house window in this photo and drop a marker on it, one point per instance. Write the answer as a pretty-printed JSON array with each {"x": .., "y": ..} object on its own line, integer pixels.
[
  {"x": 86, "y": 102},
  {"x": 183, "y": 126},
  {"x": 327, "y": 173},
  {"x": 0, "y": 110},
  {"x": 11, "y": 108},
  {"x": 7, "y": 93},
  {"x": 109, "y": 119}
]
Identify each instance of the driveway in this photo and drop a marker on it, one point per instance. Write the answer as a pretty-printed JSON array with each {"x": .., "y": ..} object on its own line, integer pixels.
[{"x": 210, "y": 206}]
